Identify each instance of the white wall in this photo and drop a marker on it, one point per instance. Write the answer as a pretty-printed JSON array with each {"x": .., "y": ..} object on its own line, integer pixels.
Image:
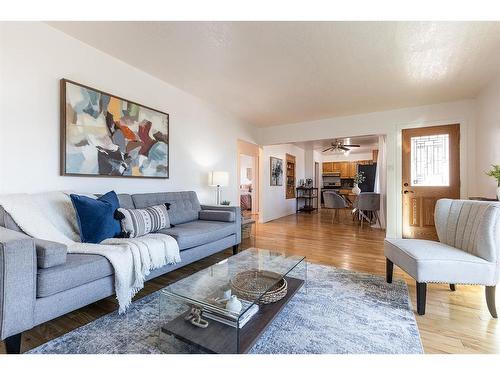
[
  {"x": 34, "y": 57},
  {"x": 308, "y": 163},
  {"x": 274, "y": 205},
  {"x": 390, "y": 123},
  {"x": 487, "y": 138}
]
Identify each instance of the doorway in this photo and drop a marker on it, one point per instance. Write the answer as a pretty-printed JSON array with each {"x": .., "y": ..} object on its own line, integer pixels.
[
  {"x": 248, "y": 178},
  {"x": 247, "y": 185},
  {"x": 431, "y": 171}
]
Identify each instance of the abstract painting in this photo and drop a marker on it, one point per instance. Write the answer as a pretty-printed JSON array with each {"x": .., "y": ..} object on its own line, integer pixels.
[
  {"x": 276, "y": 171},
  {"x": 105, "y": 135}
]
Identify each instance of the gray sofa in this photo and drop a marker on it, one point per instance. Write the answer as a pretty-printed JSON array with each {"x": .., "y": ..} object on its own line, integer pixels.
[{"x": 40, "y": 281}]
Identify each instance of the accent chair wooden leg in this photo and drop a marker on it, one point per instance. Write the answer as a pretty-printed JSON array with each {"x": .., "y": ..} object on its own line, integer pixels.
[
  {"x": 452, "y": 287},
  {"x": 389, "y": 268},
  {"x": 13, "y": 344},
  {"x": 421, "y": 296},
  {"x": 490, "y": 300},
  {"x": 235, "y": 249}
]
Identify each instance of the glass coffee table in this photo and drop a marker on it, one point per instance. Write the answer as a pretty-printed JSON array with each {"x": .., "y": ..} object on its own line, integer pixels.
[{"x": 195, "y": 310}]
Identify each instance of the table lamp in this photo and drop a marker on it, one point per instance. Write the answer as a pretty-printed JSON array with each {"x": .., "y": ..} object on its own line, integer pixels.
[{"x": 218, "y": 178}]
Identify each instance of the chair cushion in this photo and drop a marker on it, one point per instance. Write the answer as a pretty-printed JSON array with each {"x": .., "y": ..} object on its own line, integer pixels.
[
  {"x": 79, "y": 269},
  {"x": 472, "y": 226},
  {"x": 199, "y": 232},
  {"x": 96, "y": 217},
  {"x": 431, "y": 261},
  {"x": 184, "y": 205}
]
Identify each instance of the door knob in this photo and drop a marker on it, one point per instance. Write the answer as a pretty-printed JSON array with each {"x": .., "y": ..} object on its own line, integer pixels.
[{"x": 407, "y": 191}]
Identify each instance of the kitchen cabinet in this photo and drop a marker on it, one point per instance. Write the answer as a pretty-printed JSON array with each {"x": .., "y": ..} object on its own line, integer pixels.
[
  {"x": 347, "y": 169},
  {"x": 344, "y": 169},
  {"x": 353, "y": 168},
  {"x": 327, "y": 167}
]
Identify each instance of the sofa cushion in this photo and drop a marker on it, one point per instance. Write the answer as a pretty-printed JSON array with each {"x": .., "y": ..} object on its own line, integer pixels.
[
  {"x": 126, "y": 201},
  {"x": 214, "y": 215},
  {"x": 49, "y": 253},
  {"x": 431, "y": 261},
  {"x": 199, "y": 232},
  {"x": 184, "y": 205},
  {"x": 79, "y": 269},
  {"x": 96, "y": 217}
]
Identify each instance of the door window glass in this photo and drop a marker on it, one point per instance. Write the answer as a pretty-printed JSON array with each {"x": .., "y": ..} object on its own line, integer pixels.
[{"x": 430, "y": 160}]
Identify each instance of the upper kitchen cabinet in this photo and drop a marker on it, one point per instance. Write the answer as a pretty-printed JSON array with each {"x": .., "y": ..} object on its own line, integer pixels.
[
  {"x": 353, "y": 168},
  {"x": 344, "y": 169},
  {"x": 327, "y": 167}
]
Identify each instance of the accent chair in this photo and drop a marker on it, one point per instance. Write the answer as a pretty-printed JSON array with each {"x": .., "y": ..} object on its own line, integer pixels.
[{"x": 468, "y": 251}]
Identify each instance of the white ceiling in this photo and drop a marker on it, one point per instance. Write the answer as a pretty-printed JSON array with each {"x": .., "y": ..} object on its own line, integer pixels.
[
  {"x": 270, "y": 73},
  {"x": 367, "y": 144}
]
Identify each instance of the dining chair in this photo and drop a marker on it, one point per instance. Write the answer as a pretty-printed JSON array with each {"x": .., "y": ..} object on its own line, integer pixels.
[
  {"x": 368, "y": 204},
  {"x": 334, "y": 201}
]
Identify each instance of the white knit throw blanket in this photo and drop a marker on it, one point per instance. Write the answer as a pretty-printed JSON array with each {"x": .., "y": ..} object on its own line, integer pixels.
[{"x": 51, "y": 216}]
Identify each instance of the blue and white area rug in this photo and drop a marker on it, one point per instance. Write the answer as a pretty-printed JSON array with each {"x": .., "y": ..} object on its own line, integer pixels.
[{"x": 339, "y": 312}]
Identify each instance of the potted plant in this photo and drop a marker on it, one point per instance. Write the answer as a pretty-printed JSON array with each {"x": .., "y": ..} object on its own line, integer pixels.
[
  {"x": 495, "y": 173},
  {"x": 358, "y": 179}
]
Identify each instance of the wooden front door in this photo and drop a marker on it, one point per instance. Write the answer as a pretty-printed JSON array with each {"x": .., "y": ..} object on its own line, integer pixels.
[{"x": 431, "y": 170}]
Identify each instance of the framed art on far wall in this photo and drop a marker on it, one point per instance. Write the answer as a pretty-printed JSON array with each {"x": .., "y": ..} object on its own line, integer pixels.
[
  {"x": 276, "y": 171},
  {"x": 105, "y": 135}
]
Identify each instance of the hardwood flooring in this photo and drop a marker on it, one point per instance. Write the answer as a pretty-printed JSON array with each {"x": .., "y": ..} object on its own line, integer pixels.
[{"x": 455, "y": 322}]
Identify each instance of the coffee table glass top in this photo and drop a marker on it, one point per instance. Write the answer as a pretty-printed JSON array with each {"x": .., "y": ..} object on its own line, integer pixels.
[{"x": 206, "y": 288}]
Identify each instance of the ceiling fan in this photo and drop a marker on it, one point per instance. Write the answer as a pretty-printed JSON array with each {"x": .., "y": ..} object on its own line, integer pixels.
[{"x": 338, "y": 145}]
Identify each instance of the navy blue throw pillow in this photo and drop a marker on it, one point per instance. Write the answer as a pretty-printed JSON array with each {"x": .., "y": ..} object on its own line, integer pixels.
[{"x": 96, "y": 217}]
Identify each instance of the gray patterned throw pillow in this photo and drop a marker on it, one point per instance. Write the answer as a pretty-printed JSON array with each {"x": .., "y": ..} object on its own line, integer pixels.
[{"x": 138, "y": 222}]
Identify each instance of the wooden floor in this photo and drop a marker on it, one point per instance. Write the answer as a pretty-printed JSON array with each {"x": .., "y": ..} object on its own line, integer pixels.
[{"x": 455, "y": 322}]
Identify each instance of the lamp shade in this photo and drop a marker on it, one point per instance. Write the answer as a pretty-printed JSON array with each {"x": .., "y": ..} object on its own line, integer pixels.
[{"x": 218, "y": 178}]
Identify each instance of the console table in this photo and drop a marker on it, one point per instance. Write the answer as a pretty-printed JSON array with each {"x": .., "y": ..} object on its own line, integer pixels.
[{"x": 310, "y": 198}]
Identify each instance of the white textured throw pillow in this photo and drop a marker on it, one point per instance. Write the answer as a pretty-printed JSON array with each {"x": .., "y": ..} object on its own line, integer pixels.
[{"x": 138, "y": 222}]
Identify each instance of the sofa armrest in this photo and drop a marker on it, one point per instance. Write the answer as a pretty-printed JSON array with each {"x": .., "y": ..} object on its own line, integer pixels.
[
  {"x": 216, "y": 215},
  {"x": 237, "y": 216},
  {"x": 17, "y": 282}
]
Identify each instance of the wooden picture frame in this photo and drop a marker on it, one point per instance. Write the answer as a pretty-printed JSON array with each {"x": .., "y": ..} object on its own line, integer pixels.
[{"x": 130, "y": 139}]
